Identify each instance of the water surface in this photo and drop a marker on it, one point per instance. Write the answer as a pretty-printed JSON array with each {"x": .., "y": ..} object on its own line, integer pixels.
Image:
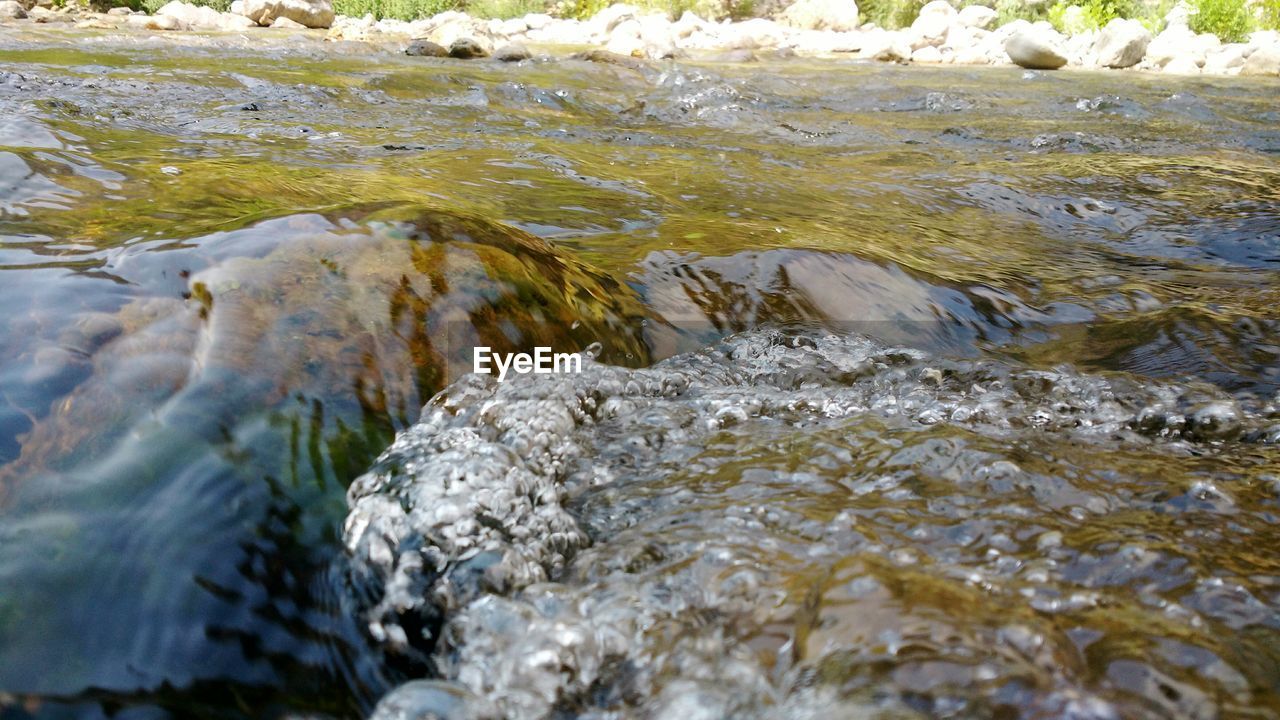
[{"x": 232, "y": 271}]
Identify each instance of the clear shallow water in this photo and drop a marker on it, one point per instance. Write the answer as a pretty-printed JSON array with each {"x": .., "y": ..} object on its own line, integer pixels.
[{"x": 231, "y": 274}]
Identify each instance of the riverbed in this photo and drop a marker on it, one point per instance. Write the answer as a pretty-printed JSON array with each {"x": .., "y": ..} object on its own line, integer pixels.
[{"x": 938, "y": 392}]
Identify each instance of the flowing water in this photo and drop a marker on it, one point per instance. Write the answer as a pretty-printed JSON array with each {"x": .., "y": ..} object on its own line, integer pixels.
[{"x": 944, "y": 392}]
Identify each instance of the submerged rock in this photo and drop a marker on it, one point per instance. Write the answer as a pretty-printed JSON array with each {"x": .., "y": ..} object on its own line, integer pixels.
[
  {"x": 515, "y": 52},
  {"x": 426, "y": 48},
  {"x": 353, "y": 337},
  {"x": 466, "y": 49}
]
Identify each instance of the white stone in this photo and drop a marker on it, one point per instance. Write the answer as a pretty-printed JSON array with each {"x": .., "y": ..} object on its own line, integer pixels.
[
  {"x": 752, "y": 34},
  {"x": 11, "y": 10},
  {"x": 349, "y": 28},
  {"x": 191, "y": 16},
  {"x": 449, "y": 27},
  {"x": 286, "y": 24},
  {"x": 1183, "y": 65},
  {"x": 1178, "y": 17},
  {"x": 1225, "y": 58},
  {"x": 311, "y": 13},
  {"x": 537, "y": 21},
  {"x": 1036, "y": 48},
  {"x": 688, "y": 24},
  {"x": 603, "y": 22},
  {"x": 1080, "y": 49},
  {"x": 1263, "y": 61},
  {"x": 625, "y": 44},
  {"x": 929, "y": 55},
  {"x": 839, "y": 15},
  {"x": 1010, "y": 29},
  {"x": 976, "y": 16},
  {"x": 1171, "y": 43},
  {"x": 514, "y": 26},
  {"x": 937, "y": 9},
  {"x": 932, "y": 24},
  {"x": 972, "y": 55},
  {"x": 560, "y": 32},
  {"x": 1260, "y": 38},
  {"x": 154, "y": 22},
  {"x": 885, "y": 46},
  {"x": 1122, "y": 44},
  {"x": 820, "y": 42}
]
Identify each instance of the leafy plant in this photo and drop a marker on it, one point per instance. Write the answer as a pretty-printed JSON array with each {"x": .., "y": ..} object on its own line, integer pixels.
[
  {"x": 1065, "y": 21},
  {"x": 395, "y": 9},
  {"x": 503, "y": 9},
  {"x": 1228, "y": 19},
  {"x": 580, "y": 9},
  {"x": 891, "y": 14},
  {"x": 1094, "y": 14},
  {"x": 1009, "y": 10},
  {"x": 1270, "y": 14}
]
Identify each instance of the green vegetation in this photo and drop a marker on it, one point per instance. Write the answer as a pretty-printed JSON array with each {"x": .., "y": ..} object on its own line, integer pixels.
[
  {"x": 503, "y": 9},
  {"x": 1094, "y": 14},
  {"x": 706, "y": 9},
  {"x": 396, "y": 9},
  {"x": 1228, "y": 19},
  {"x": 152, "y": 6},
  {"x": 891, "y": 14},
  {"x": 1270, "y": 11}
]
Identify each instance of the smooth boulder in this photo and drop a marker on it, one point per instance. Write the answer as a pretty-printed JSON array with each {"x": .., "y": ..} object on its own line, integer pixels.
[
  {"x": 932, "y": 25},
  {"x": 11, "y": 10},
  {"x": 1181, "y": 66},
  {"x": 976, "y": 16},
  {"x": 838, "y": 15},
  {"x": 310, "y": 13},
  {"x": 1122, "y": 43},
  {"x": 1036, "y": 49},
  {"x": 1263, "y": 61}
]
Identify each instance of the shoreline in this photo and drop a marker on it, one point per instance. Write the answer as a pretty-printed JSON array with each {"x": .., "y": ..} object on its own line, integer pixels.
[{"x": 940, "y": 36}]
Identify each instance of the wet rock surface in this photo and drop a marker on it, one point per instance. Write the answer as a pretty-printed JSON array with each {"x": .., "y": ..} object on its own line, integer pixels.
[
  {"x": 426, "y": 48},
  {"x": 815, "y": 526}
]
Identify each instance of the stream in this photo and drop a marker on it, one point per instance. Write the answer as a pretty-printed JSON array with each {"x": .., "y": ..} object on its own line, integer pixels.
[{"x": 911, "y": 392}]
